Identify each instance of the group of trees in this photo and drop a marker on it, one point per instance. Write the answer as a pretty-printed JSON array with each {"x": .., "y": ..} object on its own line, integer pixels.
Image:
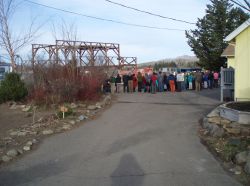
[{"x": 207, "y": 40}]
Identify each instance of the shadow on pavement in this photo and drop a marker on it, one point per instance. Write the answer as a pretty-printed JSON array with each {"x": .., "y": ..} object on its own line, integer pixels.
[
  {"x": 33, "y": 173},
  {"x": 128, "y": 172}
]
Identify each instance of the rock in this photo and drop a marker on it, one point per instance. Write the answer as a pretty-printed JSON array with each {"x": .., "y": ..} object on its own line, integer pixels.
[
  {"x": 236, "y": 170},
  {"x": 245, "y": 131},
  {"x": 72, "y": 122},
  {"x": 82, "y": 105},
  {"x": 22, "y": 133},
  {"x": 14, "y": 133},
  {"x": 6, "y": 158},
  {"x": 12, "y": 153},
  {"x": 22, "y": 106},
  {"x": 99, "y": 105},
  {"x": 217, "y": 131},
  {"x": 205, "y": 123},
  {"x": 66, "y": 127},
  {"x": 234, "y": 125},
  {"x": 13, "y": 106},
  {"x": 20, "y": 151},
  {"x": 47, "y": 132},
  {"x": 107, "y": 100},
  {"x": 34, "y": 141},
  {"x": 26, "y": 148},
  {"x": 82, "y": 117},
  {"x": 235, "y": 131},
  {"x": 33, "y": 132},
  {"x": 91, "y": 107},
  {"x": 225, "y": 122},
  {"x": 29, "y": 143},
  {"x": 7, "y": 139},
  {"x": 73, "y": 106},
  {"x": 241, "y": 157},
  {"x": 216, "y": 120},
  {"x": 27, "y": 109},
  {"x": 214, "y": 113}
]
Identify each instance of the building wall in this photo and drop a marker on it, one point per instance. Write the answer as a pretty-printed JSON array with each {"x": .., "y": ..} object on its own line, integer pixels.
[
  {"x": 242, "y": 65},
  {"x": 4, "y": 70},
  {"x": 230, "y": 62}
]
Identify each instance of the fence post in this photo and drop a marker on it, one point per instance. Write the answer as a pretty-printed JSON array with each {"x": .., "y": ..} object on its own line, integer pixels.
[{"x": 222, "y": 84}]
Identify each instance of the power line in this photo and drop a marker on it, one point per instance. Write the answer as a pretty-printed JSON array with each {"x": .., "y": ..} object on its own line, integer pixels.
[
  {"x": 150, "y": 13},
  {"x": 103, "y": 19},
  {"x": 240, "y": 4}
]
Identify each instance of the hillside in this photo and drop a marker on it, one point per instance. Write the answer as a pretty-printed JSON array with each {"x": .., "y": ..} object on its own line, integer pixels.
[{"x": 185, "y": 59}]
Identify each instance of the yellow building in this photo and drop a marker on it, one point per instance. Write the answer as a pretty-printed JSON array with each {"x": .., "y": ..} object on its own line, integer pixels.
[{"x": 238, "y": 55}]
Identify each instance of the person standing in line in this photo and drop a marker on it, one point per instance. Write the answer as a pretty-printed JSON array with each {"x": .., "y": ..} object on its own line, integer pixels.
[
  {"x": 147, "y": 87},
  {"x": 160, "y": 82},
  {"x": 210, "y": 79},
  {"x": 205, "y": 80},
  {"x": 186, "y": 81},
  {"x": 198, "y": 80},
  {"x": 165, "y": 82},
  {"x": 135, "y": 83},
  {"x": 112, "y": 80},
  {"x": 216, "y": 79},
  {"x": 118, "y": 79},
  {"x": 171, "y": 79},
  {"x": 190, "y": 81},
  {"x": 139, "y": 79},
  {"x": 125, "y": 83},
  {"x": 153, "y": 83},
  {"x": 130, "y": 83},
  {"x": 144, "y": 84}
]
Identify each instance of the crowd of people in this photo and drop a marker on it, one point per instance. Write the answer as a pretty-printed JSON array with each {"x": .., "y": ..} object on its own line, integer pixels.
[{"x": 160, "y": 82}]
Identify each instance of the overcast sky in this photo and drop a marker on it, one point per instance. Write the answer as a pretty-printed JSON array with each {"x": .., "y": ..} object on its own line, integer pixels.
[{"x": 144, "y": 43}]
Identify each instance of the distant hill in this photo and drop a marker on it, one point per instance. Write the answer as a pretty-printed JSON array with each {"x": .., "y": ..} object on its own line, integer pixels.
[{"x": 181, "y": 60}]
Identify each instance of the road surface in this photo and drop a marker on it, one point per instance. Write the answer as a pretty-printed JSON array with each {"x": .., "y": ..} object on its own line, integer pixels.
[{"x": 142, "y": 140}]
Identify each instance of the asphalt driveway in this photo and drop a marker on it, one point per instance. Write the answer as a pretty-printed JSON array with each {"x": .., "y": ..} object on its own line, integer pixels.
[{"x": 142, "y": 140}]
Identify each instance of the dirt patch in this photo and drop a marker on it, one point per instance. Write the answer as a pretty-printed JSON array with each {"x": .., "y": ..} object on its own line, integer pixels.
[
  {"x": 21, "y": 127},
  {"x": 241, "y": 106},
  {"x": 16, "y": 118}
]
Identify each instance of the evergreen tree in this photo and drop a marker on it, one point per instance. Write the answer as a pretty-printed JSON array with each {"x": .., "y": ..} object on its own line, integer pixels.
[{"x": 207, "y": 40}]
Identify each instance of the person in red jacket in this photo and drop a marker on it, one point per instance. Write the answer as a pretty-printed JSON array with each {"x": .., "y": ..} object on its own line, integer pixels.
[
  {"x": 153, "y": 83},
  {"x": 134, "y": 82}
]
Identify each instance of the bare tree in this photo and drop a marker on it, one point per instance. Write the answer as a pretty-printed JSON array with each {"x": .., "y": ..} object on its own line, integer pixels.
[
  {"x": 11, "y": 42},
  {"x": 65, "y": 31}
]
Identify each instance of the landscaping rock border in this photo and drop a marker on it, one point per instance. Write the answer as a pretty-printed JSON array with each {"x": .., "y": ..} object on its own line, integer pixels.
[{"x": 230, "y": 140}]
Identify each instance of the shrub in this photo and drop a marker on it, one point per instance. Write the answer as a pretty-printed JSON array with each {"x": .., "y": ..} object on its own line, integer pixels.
[
  {"x": 61, "y": 84},
  {"x": 12, "y": 88}
]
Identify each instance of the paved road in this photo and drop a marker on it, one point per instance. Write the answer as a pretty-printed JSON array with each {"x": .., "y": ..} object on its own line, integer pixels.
[{"x": 142, "y": 140}]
